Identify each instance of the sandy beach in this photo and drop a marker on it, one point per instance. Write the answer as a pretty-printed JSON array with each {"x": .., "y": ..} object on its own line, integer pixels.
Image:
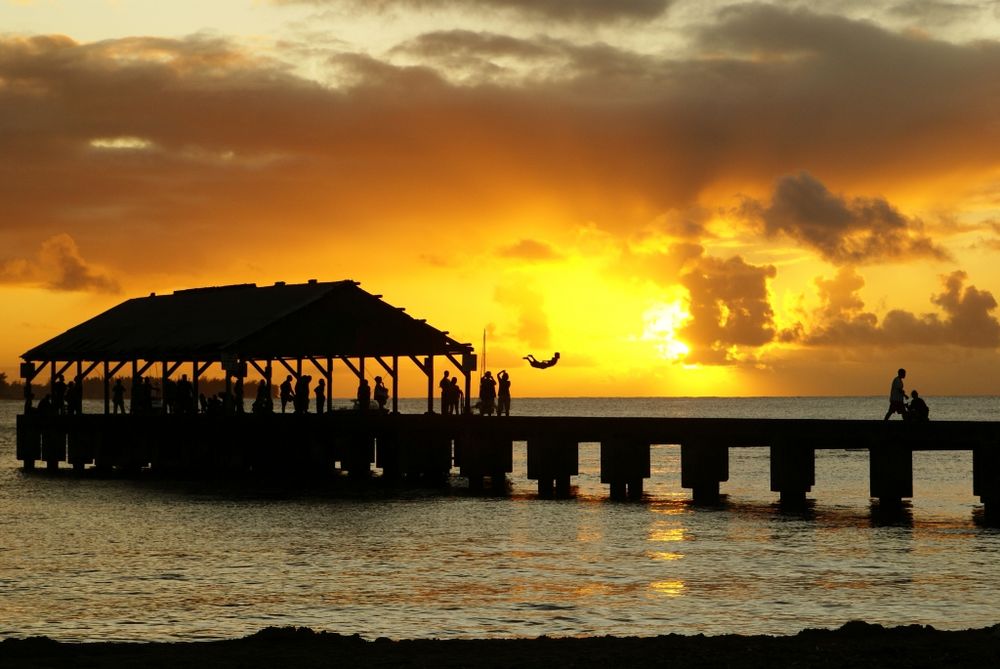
[{"x": 856, "y": 644}]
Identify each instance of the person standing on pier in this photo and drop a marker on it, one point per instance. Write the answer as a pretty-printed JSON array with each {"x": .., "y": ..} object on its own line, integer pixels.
[
  {"x": 487, "y": 394},
  {"x": 455, "y": 398},
  {"x": 364, "y": 395},
  {"x": 118, "y": 397},
  {"x": 445, "y": 385},
  {"x": 285, "y": 391},
  {"x": 320, "y": 396},
  {"x": 59, "y": 394},
  {"x": 897, "y": 396},
  {"x": 302, "y": 394},
  {"x": 381, "y": 393},
  {"x": 503, "y": 393}
]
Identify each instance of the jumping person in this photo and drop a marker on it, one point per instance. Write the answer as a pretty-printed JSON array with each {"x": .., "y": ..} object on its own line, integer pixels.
[{"x": 542, "y": 364}]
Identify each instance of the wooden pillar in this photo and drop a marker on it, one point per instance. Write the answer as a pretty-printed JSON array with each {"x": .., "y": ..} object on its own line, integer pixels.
[
  {"x": 135, "y": 379},
  {"x": 107, "y": 388},
  {"x": 703, "y": 467},
  {"x": 329, "y": 385},
  {"x": 194, "y": 385},
  {"x": 793, "y": 472},
  {"x": 624, "y": 465},
  {"x": 468, "y": 391},
  {"x": 429, "y": 370},
  {"x": 395, "y": 384},
  {"x": 164, "y": 375},
  {"x": 79, "y": 385}
]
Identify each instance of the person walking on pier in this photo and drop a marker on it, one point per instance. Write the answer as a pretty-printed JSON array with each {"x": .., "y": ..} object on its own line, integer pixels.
[
  {"x": 897, "y": 396},
  {"x": 503, "y": 393},
  {"x": 285, "y": 391},
  {"x": 320, "y": 396},
  {"x": 445, "y": 385}
]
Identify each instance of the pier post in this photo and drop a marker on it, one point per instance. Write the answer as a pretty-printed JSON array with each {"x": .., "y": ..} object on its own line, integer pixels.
[
  {"x": 81, "y": 437},
  {"x": 624, "y": 465},
  {"x": 29, "y": 441},
  {"x": 53, "y": 442},
  {"x": 484, "y": 453},
  {"x": 986, "y": 478},
  {"x": 793, "y": 472},
  {"x": 891, "y": 471},
  {"x": 551, "y": 462},
  {"x": 704, "y": 466}
]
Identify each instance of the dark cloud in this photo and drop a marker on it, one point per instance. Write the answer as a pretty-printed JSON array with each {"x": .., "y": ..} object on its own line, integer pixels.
[
  {"x": 859, "y": 230},
  {"x": 729, "y": 308},
  {"x": 966, "y": 318},
  {"x": 529, "y": 249},
  {"x": 560, "y": 10},
  {"x": 203, "y": 138},
  {"x": 59, "y": 266}
]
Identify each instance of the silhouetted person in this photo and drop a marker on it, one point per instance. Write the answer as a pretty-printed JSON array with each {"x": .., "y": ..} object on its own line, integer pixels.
[
  {"x": 262, "y": 404},
  {"x": 302, "y": 394},
  {"x": 487, "y": 394},
  {"x": 444, "y": 385},
  {"x": 897, "y": 396},
  {"x": 285, "y": 392},
  {"x": 542, "y": 364},
  {"x": 381, "y": 393},
  {"x": 238, "y": 394},
  {"x": 59, "y": 394},
  {"x": 118, "y": 397},
  {"x": 202, "y": 402},
  {"x": 147, "y": 395},
  {"x": 45, "y": 406},
  {"x": 918, "y": 409},
  {"x": 364, "y": 395},
  {"x": 170, "y": 396},
  {"x": 455, "y": 397},
  {"x": 184, "y": 395},
  {"x": 503, "y": 393},
  {"x": 70, "y": 398},
  {"x": 320, "y": 396}
]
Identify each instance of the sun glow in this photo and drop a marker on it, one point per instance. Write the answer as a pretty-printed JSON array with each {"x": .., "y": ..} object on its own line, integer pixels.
[{"x": 661, "y": 323}]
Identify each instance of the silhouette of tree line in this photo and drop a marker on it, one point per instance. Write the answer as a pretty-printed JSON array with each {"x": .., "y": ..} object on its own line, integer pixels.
[{"x": 93, "y": 387}]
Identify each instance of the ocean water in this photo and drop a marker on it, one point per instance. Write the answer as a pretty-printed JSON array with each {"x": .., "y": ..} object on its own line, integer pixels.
[{"x": 117, "y": 559}]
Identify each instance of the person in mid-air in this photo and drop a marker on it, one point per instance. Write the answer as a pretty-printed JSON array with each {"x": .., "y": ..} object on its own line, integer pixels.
[{"x": 542, "y": 364}]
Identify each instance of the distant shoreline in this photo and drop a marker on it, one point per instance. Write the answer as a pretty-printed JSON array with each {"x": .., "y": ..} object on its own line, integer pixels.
[{"x": 855, "y": 644}]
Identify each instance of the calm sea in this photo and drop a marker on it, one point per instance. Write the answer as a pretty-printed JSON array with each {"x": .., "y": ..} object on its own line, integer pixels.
[{"x": 91, "y": 559}]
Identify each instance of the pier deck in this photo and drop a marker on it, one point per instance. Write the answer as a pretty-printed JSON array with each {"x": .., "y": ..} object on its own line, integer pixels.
[{"x": 427, "y": 446}]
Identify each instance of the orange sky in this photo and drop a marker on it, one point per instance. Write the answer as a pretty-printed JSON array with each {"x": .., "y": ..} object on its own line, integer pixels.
[{"x": 683, "y": 198}]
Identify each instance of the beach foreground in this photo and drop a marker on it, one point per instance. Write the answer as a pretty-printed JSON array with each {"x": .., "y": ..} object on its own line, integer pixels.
[{"x": 856, "y": 644}]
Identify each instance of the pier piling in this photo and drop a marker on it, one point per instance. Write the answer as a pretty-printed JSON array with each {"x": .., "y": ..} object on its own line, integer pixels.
[
  {"x": 624, "y": 465},
  {"x": 704, "y": 465},
  {"x": 551, "y": 462},
  {"x": 793, "y": 472}
]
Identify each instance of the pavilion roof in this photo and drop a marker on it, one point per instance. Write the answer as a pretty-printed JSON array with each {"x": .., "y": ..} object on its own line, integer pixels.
[{"x": 318, "y": 319}]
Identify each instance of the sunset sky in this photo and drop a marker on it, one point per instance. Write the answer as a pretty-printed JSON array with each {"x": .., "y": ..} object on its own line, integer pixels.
[{"x": 683, "y": 197}]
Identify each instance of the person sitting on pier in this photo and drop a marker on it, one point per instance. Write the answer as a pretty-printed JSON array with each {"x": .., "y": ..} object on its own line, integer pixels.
[
  {"x": 542, "y": 364},
  {"x": 118, "y": 397},
  {"x": 262, "y": 404},
  {"x": 381, "y": 393},
  {"x": 897, "y": 396},
  {"x": 285, "y": 392},
  {"x": 917, "y": 411}
]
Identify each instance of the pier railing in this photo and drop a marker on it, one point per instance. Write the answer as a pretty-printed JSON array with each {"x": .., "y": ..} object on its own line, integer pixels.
[{"x": 427, "y": 446}]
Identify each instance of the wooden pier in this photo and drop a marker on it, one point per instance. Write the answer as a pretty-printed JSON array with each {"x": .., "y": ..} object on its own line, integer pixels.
[{"x": 425, "y": 448}]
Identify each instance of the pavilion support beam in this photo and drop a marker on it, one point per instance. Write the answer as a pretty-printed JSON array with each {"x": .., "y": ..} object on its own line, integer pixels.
[
  {"x": 430, "y": 383},
  {"x": 359, "y": 371},
  {"x": 291, "y": 370},
  {"x": 107, "y": 388},
  {"x": 395, "y": 384},
  {"x": 329, "y": 384}
]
